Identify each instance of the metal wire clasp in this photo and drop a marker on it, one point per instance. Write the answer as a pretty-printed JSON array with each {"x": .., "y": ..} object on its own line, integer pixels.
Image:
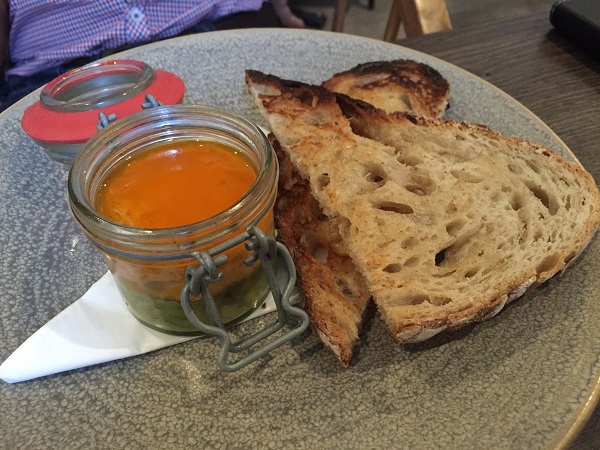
[
  {"x": 105, "y": 120},
  {"x": 199, "y": 277}
]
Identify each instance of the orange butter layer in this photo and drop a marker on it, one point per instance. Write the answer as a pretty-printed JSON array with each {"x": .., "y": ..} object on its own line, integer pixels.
[
  {"x": 174, "y": 184},
  {"x": 170, "y": 185}
]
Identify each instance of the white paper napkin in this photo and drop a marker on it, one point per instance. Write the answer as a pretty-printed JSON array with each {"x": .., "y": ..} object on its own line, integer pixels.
[{"x": 95, "y": 329}]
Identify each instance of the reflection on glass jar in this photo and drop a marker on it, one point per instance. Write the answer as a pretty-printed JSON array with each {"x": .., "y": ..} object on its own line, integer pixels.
[{"x": 153, "y": 187}]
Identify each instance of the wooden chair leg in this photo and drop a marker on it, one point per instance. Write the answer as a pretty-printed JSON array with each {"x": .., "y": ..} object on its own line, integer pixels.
[
  {"x": 424, "y": 16},
  {"x": 393, "y": 24},
  {"x": 419, "y": 16},
  {"x": 339, "y": 15}
]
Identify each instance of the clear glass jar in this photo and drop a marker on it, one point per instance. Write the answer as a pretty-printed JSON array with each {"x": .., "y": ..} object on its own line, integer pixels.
[
  {"x": 149, "y": 264},
  {"x": 97, "y": 85}
]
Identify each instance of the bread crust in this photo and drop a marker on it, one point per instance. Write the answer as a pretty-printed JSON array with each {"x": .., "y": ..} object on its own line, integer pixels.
[{"x": 398, "y": 85}]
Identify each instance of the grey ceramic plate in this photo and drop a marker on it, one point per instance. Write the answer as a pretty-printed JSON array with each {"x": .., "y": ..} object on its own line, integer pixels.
[{"x": 520, "y": 380}]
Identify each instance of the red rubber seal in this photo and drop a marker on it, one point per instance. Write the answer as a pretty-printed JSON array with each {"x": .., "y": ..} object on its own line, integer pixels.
[{"x": 55, "y": 127}]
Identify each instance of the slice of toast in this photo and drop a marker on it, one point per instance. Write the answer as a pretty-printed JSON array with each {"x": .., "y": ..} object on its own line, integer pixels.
[
  {"x": 447, "y": 221},
  {"x": 399, "y": 85},
  {"x": 334, "y": 291},
  {"x": 335, "y": 294}
]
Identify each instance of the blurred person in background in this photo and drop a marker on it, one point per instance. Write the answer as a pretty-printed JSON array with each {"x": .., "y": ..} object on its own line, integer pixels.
[{"x": 42, "y": 39}]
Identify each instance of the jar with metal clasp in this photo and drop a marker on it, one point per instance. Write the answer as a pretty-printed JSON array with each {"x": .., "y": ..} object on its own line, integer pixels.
[{"x": 179, "y": 200}]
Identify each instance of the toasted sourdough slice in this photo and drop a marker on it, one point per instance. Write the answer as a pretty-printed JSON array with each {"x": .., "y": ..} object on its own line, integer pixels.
[
  {"x": 335, "y": 294},
  {"x": 447, "y": 221},
  {"x": 399, "y": 85}
]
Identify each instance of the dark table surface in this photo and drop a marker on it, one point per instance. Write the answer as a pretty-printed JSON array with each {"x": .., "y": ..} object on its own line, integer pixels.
[{"x": 557, "y": 81}]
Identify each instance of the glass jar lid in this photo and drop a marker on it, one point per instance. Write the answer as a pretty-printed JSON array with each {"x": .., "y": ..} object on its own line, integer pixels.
[
  {"x": 97, "y": 86},
  {"x": 68, "y": 109}
]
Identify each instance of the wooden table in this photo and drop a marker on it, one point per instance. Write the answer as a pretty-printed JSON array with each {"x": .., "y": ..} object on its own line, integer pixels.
[{"x": 557, "y": 81}]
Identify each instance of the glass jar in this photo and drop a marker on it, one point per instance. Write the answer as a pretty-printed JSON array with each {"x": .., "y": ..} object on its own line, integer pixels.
[
  {"x": 97, "y": 85},
  {"x": 149, "y": 265},
  {"x": 66, "y": 115}
]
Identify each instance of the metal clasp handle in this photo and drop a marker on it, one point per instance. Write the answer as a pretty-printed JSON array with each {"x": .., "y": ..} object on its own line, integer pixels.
[
  {"x": 105, "y": 120},
  {"x": 198, "y": 280}
]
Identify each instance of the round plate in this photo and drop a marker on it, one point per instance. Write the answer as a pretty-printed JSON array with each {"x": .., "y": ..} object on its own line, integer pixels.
[{"x": 520, "y": 380}]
